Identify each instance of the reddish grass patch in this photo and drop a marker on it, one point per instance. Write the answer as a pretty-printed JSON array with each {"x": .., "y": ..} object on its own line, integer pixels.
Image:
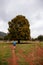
[{"x": 33, "y": 58}]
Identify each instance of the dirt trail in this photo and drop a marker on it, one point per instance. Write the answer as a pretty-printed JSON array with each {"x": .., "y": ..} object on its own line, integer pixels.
[
  {"x": 13, "y": 59},
  {"x": 14, "y": 56}
]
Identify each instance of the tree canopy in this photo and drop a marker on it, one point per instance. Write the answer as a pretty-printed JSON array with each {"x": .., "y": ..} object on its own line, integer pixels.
[
  {"x": 19, "y": 28},
  {"x": 40, "y": 38}
]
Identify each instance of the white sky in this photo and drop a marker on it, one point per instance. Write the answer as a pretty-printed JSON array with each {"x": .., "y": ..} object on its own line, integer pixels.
[{"x": 32, "y": 9}]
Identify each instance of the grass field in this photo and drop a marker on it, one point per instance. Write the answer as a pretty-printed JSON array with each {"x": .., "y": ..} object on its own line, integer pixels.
[
  {"x": 30, "y": 54},
  {"x": 27, "y": 54},
  {"x": 5, "y": 53}
]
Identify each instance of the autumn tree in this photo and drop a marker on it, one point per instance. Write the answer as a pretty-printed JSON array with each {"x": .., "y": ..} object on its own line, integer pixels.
[{"x": 19, "y": 28}]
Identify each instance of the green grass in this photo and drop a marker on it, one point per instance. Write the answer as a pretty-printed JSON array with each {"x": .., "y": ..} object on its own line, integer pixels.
[
  {"x": 5, "y": 53},
  {"x": 26, "y": 48},
  {"x": 41, "y": 44}
]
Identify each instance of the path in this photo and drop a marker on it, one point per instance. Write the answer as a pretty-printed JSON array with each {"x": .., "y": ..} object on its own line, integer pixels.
[
  {"x": 14, "y": 56},
  {"x": 13, "y": 59}
]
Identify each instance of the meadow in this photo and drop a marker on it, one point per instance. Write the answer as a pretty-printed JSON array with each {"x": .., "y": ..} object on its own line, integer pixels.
[
  {"x": 5, "y": 53},
  {"x": 26, "y": 54}
]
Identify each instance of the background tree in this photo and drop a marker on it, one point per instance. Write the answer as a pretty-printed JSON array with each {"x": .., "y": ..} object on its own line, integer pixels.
[
  {"x": 40, "y": 38},
  {"x": 19, "y": 28},
  {"x": 1, "y": 38},
  {"x": 6, "y": 37}
]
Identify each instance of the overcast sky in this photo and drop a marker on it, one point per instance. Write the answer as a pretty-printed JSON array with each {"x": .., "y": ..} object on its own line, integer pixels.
[{"x": 32, "y": 9}]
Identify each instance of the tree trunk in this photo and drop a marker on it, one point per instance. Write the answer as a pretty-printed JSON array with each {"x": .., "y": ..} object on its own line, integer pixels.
[{"x": 18, "y": 41}]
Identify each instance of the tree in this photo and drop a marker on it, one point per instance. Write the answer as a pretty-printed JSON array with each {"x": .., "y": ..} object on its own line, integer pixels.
[
  {"x": 6, "y": 37},
  {"x": 1, "y": 38},
  {"x": 40, "y": 38},
  {"x": 19, "y": 28}
]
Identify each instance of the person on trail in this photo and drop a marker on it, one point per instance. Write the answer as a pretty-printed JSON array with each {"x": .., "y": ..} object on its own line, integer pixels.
[{"x": 14, "y": 44}]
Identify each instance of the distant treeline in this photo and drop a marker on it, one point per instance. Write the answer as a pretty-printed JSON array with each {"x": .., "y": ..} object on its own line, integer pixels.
[
  {"x": 39, "y": 38},
  {"x": 1, "y": 38}
]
